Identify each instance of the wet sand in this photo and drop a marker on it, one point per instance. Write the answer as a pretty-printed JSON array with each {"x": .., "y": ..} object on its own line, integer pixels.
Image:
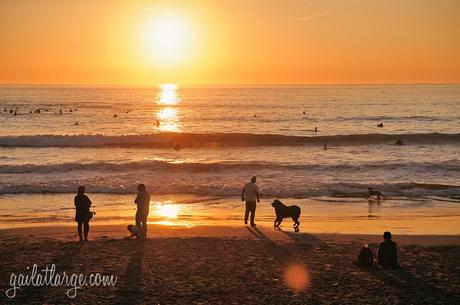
[
  {"x": 231, "y": 265},
  {"x": 319, "y": 215}
]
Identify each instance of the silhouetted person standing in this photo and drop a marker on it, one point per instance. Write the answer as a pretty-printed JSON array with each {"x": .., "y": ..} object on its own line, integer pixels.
[
  {"x": 388, "y": 256},
  {"x": 250, "y": 193},
  {"x": 143, "y": 204},
  {"x": 82, "y": 205}
]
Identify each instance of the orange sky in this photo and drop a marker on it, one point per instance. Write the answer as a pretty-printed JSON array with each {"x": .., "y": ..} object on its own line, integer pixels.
[{"x": 230, "y": 42}]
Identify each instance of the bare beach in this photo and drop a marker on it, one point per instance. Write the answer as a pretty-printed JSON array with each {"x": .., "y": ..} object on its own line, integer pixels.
[{"x": 231, "y": 265}]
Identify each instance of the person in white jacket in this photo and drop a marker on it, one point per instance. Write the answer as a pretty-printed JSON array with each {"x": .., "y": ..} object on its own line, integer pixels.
[{"x": 250, "y": 194}]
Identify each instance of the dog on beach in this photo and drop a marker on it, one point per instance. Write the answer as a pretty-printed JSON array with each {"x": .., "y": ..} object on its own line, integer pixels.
[
  {"x": 134, "y": 231},
  {"x": 373, "y": 193},
  {"x": 90, "y": 215},
  {"x": 283, "y": 211}
]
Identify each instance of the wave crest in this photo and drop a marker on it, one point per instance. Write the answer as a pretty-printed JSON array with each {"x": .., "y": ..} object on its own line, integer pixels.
[
  {"x": 351, "y": 190},
  {"x": 179, "y": 140},
  {"x": 158, "y": 165}
]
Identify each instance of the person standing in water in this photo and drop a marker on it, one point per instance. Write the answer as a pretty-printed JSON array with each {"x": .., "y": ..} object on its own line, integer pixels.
[
  {"x": 82, "y": 204},
  {"x": 250, "y": 194},
  {"x": 143, "y": 205}
]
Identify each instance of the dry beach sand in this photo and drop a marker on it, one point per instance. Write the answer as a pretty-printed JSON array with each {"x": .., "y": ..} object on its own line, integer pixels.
[{"x": 230, "y": 265}]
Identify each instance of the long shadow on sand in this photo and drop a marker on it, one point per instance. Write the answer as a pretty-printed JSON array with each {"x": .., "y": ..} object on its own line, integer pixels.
[
  {"x": 131, "y": 290},
  {"x": 303, "y": 241},
  {"x": 281, "y": 252},
  {"x": 410, "y": 289},
  {"x": 259, "y": 234},
  {"x": 71, "y": 251},
  {"x": 286, "y": 251},
  {"x": 63, "y": 261}
]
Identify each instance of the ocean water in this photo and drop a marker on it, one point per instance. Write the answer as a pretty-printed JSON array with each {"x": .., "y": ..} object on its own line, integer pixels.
[{"x": 205, "y": 143}]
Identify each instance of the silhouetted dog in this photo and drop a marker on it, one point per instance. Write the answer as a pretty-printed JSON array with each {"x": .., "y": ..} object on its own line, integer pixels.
[
  {"x": 134, "y": 231},
  {"x": 90, "y": 215},
  {"x": 375, "y": 193},
  {"x": 283, "y": 211}
]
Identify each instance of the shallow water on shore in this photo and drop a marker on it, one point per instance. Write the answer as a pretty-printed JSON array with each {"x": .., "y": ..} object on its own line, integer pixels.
[{"x": 320, "y": 214}]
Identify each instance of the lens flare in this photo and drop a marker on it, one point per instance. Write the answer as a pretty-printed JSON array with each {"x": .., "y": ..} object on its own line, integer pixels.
[{"x": 296, "y": 277}]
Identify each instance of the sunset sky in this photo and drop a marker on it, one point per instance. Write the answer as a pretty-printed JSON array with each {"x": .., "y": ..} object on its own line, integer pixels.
[{"x": 229, "y": 42}]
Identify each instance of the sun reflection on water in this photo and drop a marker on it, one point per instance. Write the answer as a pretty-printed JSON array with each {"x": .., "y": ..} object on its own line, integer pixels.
[
  {"x": 167, "y": 210},
  {"x": 167, "y": 117},
  {"x": 168, "y": 95},
  {"x": 167, "y": 114}
]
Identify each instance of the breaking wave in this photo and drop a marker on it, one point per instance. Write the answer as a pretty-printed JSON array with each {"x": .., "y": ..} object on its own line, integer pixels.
[
  {"x": 268, "y": 190},
  {"x": 157, "y": 165},
  {"x": 180, "y": 140}
]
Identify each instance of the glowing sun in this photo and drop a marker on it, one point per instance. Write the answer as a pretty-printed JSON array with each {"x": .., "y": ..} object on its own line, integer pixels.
[{"x": 167, "y": 39}]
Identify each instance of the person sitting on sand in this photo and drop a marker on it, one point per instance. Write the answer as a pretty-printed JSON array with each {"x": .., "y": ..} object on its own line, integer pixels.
[
  {"x": 380, "y": 125},
  {"x": 82, "y": 204},
  {"x": 250, "y": 193},
  {"x": 388, "y": 257},
  {"x": 143, "y": 204},
  {"x": 365, "y": 257}
]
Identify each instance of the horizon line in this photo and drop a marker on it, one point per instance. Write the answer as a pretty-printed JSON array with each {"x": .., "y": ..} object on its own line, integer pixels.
[{"x": 223, "y": 84}]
